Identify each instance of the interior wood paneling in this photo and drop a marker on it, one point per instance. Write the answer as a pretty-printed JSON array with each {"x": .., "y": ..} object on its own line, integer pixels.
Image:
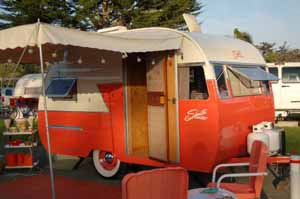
[
  {"x": 137, "y": 106},
  {"x": 157, "y": 115}
]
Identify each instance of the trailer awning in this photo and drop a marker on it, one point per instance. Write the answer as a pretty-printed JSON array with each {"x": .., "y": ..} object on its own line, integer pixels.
[
  {"x": 254, "y": 73},
  {"x": 40, "y": 33}
]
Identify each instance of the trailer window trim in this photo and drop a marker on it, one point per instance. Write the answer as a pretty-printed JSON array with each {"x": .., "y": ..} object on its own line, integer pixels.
[
  {"x": 284, "y": 80},
  {"x": 68, "y": 92},
  {"x": 221, "y": 81}
]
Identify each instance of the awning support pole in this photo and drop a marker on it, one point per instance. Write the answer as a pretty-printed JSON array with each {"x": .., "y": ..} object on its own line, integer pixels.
[{"x": 47, "y": 123}]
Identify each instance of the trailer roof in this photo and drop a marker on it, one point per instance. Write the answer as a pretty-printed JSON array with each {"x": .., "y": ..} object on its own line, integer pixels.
[
  {"x": 227, "y": 49},
  {"x": 215, "y": 48}
]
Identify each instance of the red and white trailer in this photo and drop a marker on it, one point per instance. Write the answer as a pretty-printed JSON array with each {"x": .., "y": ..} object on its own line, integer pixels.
[
  {"x": 192, "y": 107},
  {"x": 152, "y": 96}
]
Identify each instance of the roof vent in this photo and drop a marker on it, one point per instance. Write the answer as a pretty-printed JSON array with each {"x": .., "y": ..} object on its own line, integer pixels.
[{"x": 192, "y": 23}]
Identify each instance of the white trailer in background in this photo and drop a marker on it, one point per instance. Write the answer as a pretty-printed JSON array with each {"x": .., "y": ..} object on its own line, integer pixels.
[
  {"x": 29, "y": 86},
  {"x": 287, "y": 89}
]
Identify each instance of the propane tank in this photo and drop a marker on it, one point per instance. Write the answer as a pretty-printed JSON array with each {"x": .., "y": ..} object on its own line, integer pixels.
[
  {"x": 274, "y": 137},
  {"x": 260, "y": 136}
]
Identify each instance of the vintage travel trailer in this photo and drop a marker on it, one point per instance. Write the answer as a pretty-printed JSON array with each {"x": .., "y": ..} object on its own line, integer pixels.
[
  {"x": 286, "y": 89},
  {"x": 193, "y": 106},
  {"x": 26, "y": 94}
]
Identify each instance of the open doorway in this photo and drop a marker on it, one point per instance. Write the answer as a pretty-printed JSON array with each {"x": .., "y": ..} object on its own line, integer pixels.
[{"x": 151, "y": 106}]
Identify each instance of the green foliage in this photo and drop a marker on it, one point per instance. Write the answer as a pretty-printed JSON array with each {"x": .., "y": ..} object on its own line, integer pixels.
[
  {"x": 278, "y": 54},
  {"x": 19, "y": 12},
  {"x": 97, "y": 14},
  {"x": 292, "y": 140},
  {"x": 270, "y": 52},
  {"x": 7, "y": 72},
  {"x": 242, "y": 35}
]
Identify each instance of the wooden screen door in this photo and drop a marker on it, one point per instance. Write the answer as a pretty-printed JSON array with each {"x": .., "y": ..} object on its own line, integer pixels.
[{"x": 162, "y": 133}]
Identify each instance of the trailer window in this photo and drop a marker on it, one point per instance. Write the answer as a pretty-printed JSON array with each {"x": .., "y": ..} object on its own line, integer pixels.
[
  {"x": 242, "y": 86},
  {"x": 291, "y": 74},
  {"x": 8, "y": 92},
  {"x": 192, "y": 83},
  {"x": 32, "y": 90},
  {"x": 221, "y": 81},
  {"x": 61, "y": 88},
  {"x": 274, "y": 71}
]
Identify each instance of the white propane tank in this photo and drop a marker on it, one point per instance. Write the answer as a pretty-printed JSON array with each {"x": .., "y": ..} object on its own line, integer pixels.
[
  {"x": 274, "y": 140},
  {"x": 256, "y": 136}
]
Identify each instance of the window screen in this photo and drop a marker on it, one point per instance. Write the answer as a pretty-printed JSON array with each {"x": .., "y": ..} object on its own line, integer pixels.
[
  {"x": 61, "y": 87},
  {"x": 291, "y": 74}
]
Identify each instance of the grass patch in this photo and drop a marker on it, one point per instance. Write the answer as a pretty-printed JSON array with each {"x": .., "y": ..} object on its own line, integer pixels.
[{"x": 292, "y": 140}]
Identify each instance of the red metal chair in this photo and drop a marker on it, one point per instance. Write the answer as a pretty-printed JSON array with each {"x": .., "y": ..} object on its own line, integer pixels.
[
  {"x": 257, "y": 170},
  {"x": 166, "y": 183}
]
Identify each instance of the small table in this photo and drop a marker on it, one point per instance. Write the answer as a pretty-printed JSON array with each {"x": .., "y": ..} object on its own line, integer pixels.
[{"x": 204, "y": 193}]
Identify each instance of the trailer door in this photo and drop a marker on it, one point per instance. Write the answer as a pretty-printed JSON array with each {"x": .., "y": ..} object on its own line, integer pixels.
[{"x": 162, "y": 131}]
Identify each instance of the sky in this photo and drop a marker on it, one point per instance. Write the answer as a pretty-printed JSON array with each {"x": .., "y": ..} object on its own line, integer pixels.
[{"x": 266, "y": 20}]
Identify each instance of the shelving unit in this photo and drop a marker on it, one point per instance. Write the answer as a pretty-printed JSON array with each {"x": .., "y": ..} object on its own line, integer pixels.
[{"x": 16, "y": 148}]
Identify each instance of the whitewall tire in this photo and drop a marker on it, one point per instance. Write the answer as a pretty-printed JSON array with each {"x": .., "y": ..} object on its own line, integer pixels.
[{"x": 106, "y": 164}]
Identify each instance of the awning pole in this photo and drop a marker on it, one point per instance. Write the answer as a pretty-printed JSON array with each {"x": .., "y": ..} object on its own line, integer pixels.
[{"x": 47, "y": 123}]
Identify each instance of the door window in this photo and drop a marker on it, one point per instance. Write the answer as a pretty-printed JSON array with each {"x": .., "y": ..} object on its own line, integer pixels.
[
  {"x": 291, "y": 74},
  {"x": 192, "y": 83}
]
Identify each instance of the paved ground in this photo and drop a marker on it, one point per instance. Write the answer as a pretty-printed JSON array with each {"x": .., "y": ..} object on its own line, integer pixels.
[{"x": 86, "y": 171}]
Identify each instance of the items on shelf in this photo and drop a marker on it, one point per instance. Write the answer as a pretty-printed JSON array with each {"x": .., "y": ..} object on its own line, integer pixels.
[
  {"x": 20, "y": 143},
  {"x": 18, "y": 159}
]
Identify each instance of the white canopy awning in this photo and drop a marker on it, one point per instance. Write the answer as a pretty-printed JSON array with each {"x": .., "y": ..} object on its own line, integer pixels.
[{"x": 39, "y": 34}]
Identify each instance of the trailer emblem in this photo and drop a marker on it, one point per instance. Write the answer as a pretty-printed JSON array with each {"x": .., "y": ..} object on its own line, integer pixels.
[
  {"x": 195, "y": 114},
  {"x": 237, "y": 54}
]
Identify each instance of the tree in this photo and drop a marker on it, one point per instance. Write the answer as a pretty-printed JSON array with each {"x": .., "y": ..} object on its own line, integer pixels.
[
  {"x": 242, "y": 36},
  {"x": 278, "y": 54},
  {"x": 19, "y": 12},
  {"x": 97, "y": 14},
  {"x": 267, "y": 50}
]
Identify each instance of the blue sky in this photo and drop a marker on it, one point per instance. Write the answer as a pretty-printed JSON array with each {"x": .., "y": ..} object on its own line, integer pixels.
[{"x": 266, "y": 20}]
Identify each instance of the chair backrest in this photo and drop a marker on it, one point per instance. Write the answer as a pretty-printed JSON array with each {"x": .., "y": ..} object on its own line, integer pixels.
[
  {"x": 258, "y": 163},
  {"x": 166, "y": 183}
]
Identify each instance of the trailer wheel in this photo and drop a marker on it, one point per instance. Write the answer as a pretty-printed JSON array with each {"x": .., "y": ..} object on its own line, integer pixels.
[{"x": 106, "y": 164}]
